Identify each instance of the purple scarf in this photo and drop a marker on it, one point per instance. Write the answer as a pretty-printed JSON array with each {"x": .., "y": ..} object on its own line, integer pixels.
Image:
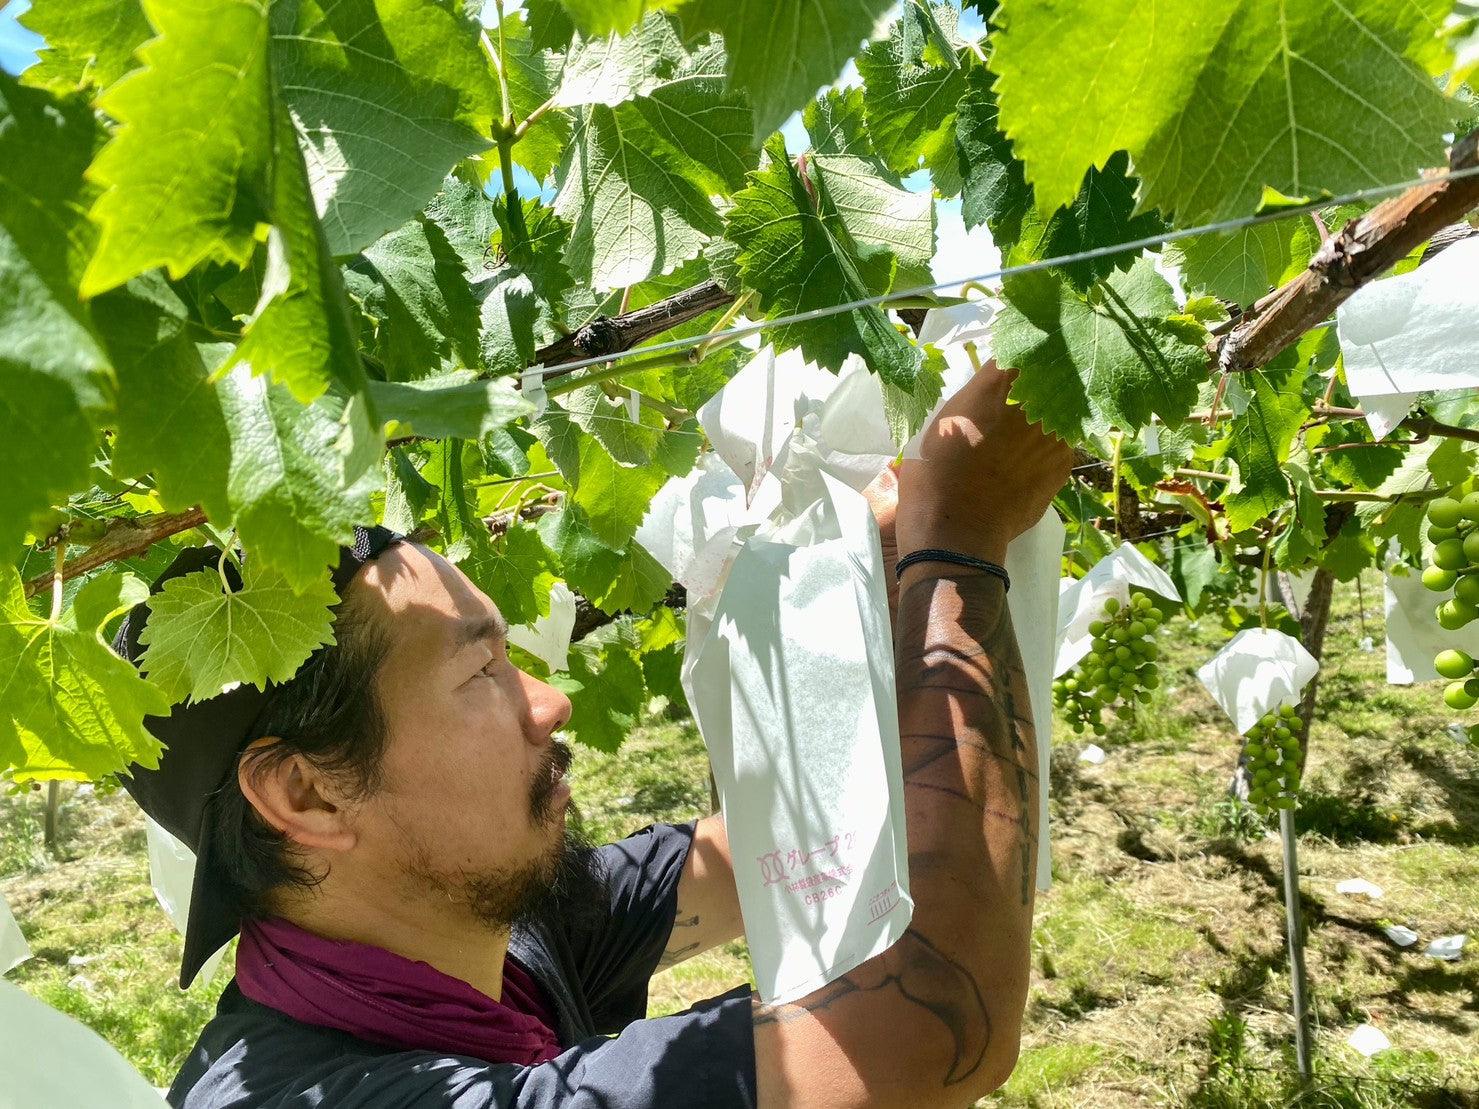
[{"x": 386, "y": 998}]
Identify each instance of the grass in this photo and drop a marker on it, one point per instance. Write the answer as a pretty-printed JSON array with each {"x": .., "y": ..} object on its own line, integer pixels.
[{"x": 1159, "y": 966}]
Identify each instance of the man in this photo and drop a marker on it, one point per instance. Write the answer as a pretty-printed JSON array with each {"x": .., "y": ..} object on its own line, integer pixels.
[{"x": 388, "y": 832}]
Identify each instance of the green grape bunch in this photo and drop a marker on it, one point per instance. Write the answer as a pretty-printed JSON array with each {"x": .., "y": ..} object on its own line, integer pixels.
[
  {"x": 1272, "y": 751},
  {"x": 1453, "y": 526},
  {"x": 1120, "y": 668}
]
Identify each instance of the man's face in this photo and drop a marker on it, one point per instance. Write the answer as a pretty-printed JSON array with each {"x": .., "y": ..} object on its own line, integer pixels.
[{"x": 470, "y": 814}]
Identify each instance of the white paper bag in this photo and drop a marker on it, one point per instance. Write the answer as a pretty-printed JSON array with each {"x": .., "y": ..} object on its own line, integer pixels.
[
  {"x": 14, "y": 949},
  {"x": 548, "y": 638},
  {"x": 172, "y": 875},
  {"x": 789, "y": 671},
  {"x": 1412, "y": 333},
  {"x": 1259, "y": 670},
  {"x": 47, "y": 1060},
  {"x": 1081, "y": 601},
  {"x": 1414, "y": 637}
]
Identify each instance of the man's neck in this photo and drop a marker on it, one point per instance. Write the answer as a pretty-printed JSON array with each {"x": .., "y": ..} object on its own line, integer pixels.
[{"x": 455, "y": 946}]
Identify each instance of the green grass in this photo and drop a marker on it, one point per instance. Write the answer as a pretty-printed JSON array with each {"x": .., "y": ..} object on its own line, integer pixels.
[{"x": 1159, "y": 966}]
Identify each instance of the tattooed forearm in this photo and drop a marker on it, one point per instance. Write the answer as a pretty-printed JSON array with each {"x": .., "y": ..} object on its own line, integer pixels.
[
  {"x": 923, "y": 974},
  {"x": 966, "y": 726}
]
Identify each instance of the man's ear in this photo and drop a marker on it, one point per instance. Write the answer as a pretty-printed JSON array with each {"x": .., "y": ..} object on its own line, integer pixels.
[{"x": 296, "y": 798}]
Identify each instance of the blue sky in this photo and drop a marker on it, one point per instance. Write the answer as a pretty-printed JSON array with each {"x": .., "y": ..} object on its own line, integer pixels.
[{"x": 959, "y": 255}]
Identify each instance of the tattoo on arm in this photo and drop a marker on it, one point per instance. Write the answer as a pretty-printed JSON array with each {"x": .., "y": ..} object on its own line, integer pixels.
[
  {"x": 676, "y": 952},
  {"x": 922, "y": 974}
]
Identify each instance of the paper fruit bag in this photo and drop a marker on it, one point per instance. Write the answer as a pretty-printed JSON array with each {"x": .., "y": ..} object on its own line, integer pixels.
[{"x": 789, "y": 671}]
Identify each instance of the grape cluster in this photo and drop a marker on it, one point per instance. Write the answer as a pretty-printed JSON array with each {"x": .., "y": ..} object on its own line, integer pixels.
[
  {"x": 1272, "y": 750},
  {"x": 1453, "y": 526},
  {"x": 1119, "y": 668}
]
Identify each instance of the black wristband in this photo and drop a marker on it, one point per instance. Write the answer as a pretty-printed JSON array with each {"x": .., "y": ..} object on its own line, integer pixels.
[{"x": 937, "y": 554}]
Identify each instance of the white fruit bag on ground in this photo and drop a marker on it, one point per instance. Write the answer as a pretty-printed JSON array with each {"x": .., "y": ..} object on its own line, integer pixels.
[
  {"x": 1259, "y": 670},
  {"x": 1413, "y": 634},
  {"x": 1081, "y": 601},
  {"x": 48, "y": 1060},
  {"x": 14, "y": 949},
  {"x": 1410, "y": 334},
  {"x": 172, "y": 874}
]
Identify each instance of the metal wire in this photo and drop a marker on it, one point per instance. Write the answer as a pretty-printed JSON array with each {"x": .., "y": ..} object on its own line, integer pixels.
[{"x": 741, "y": 330}]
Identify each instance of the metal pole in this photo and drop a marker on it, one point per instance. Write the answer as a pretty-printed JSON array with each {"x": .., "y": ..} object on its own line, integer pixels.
[{"x": 1294, "y": 925}]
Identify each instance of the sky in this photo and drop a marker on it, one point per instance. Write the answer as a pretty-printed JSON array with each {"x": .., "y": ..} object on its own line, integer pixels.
[{"x": 959, "y": 254}]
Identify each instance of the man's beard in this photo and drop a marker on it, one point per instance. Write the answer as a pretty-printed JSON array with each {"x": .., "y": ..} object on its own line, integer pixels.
[{"x": 567, "y": 883}]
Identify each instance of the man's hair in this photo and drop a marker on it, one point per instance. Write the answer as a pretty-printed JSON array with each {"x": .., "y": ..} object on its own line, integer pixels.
[{"x": 330, "y": 713}]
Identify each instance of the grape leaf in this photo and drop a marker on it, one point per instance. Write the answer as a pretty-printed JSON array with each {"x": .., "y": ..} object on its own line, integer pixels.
[
  {"x": 1259, "y": 443},
  {"x": 997, "y": 194},
  {"x": 913, "y": 81},
  {"x": 613, "y": 68},
  {"x": 201, "y": 639},
  {"x": 88, "y": 42},
  {"x": 781, "y": 54},
  {"x": 451, "y": 406},
  {"x": 55, "y": 382},
  {"x": 634, "y": 201},
  {"x": 605, "y": 687},
  {"x": 1111, "y": 359},
  {"x": 383, "y": 119},
  {"x": 1242, "y": 265},
  {"x": 409, "y": 497},
  {"x": 614, "y": 497},
  {"x": 795, "y": 251},
  {"x": 614, "y": 580},
  {"x": 69, "y": 706},
  {"x": 186, "y": 172},
  {"x": 427, "y": 320},
  {"x": 836, "y": 124},
  {"x": 515, "y": 570},
  {"x": 605, "y": 17},
  {"x": 881, "y": 216},
  {"x": 691, "y": 110},
  {"x": 532, "y": 74},
  {"x": 1216, "y": 100},
  {"x": 300, "y": 331},
  {"x": 170, "y": 421},
  {"x": 301, "y": 475}
]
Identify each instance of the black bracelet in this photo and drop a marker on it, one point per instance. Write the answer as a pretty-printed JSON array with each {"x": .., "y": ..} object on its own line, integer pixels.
[{"x": 936, "y": 554}]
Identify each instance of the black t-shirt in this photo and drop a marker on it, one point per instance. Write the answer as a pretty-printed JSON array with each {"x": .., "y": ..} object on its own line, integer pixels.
[{"x": 250, "y": 1056}]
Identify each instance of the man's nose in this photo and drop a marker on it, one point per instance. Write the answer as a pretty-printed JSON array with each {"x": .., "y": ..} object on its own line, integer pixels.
[{"x": 549, "y": 709}]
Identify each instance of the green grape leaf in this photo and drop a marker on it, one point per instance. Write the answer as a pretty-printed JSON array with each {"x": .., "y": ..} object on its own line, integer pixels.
[
  {"x": 611, "y": 69},
  {"x": 614, "y": 497},
  {"x": 1364, "y": 466},
  {"x": 170, "y": 421},
  {"x": 1193, "y": 568},
  {"x": 614, "y": 580},
  {"x": 514, "y": 570},
  {"x": 383, "y": 119},
  {"x": 1300, "y": 96},
  {"x": 1259, "y": 443},
  {"x": 1351, "y": 551},
  {"x": 455, "y": 406},
  {"x": 301, "y": 475},
  {"x": 201, "y": 640},
  {"x": 1242, "y": 265},
  {"x": 55, "y": 382},
  {"x": 1450, "y": 461},
  {"x": 997, "y": 194},
  {"x": 796, "y": 252},
  {"x": 427, "y": 320},
  {"x": 605, "y": 687},
  {"x": 69, "y": 706},
  {"x": 881, "y": 216},
  {"x": 300, "y": 332},
  {"x": 409, "y": 497},
  {"x": 88, "y": 42},
  {"x": 836, "y": 124},
  {"x": 186, "y": 172},
  {"x": 782, "y": 54},
  {"x": 533, "y": 75},
  {"x": 913, "y": 81},
  {"x": 634, "y": 202},
  {"x": 606, "y": 17},
  {"x": 1112, "y": 359},
  {"x": 691, "y": 110},
  {"x": 1304, "y": 535}
]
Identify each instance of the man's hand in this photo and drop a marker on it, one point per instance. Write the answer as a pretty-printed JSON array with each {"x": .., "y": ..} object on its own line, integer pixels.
[{"x": 986, "y": 475}]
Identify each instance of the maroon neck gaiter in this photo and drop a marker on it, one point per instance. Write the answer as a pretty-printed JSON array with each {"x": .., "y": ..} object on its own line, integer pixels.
[{"x": 386, "y": 998}]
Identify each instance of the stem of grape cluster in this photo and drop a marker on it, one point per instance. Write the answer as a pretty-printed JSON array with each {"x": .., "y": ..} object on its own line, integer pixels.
[{"x": 56, "y": 581}]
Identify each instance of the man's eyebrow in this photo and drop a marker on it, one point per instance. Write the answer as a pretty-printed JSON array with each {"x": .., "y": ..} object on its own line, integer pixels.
[{"x": 472, "y": 629}]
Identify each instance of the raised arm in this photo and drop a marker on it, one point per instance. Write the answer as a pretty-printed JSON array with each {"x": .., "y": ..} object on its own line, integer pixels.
[{"x": 935, "y": 1020}]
